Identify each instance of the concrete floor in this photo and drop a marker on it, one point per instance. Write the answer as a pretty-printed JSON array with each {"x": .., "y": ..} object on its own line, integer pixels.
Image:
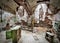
[
  {"x": 29, "y": 37},
  {"x": 38, "y": 36},
  {"x": 26, "y": 37}
]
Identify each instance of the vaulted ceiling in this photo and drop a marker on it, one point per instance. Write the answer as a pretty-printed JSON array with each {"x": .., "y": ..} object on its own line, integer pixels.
[{"x": 11, "y": 5}]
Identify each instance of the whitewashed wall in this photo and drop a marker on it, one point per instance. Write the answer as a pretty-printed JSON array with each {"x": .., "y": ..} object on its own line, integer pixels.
[
  {"x": 44, "y": 8},
  {"x": 24, "y": 17},
  {"x": 5, "y": 17},
  {"x": 56, "y": 18}
]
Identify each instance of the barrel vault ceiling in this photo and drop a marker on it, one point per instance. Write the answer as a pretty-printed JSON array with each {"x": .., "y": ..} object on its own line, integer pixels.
[{"x": 10, "y": 5}]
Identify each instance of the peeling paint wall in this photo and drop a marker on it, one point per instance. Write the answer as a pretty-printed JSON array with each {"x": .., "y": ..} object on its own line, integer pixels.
[
  {"x": 7, "y": 17},
  {"x": 37, "y": 12},
  {"x": 24, "y": 15},
  {"x": 56, "y": 19}
]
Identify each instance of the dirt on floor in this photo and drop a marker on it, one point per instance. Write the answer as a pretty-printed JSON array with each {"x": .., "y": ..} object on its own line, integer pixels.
[{"x": 39, "y": 29}]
